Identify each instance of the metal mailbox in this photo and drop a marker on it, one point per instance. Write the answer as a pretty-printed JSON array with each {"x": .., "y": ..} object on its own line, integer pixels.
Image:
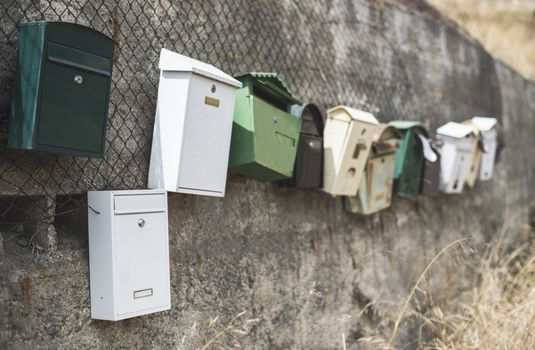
[
  {"x": 62, "y": 88},
  {"x": 264, "y": 133},
  {"x": 347, "y": 140},
  {"x": 375, "y": 191},
  {"x": 459, "y": 144},
  {"x": 191, "y": 141},
  {"x": 489, "y": 135},
  {"x": 414, "y": 149},
  {"x": 308, "y": 169},
  {"x": 128, "y": 253}
]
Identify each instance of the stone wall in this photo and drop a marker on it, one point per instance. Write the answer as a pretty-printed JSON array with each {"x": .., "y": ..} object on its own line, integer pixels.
[{"x": 305, "y": 273}]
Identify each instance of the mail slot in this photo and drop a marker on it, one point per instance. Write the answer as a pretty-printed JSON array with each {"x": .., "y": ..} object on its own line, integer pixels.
[
  {"x": 264, "y": 134},
  {"x": 308, "y": 169},
  {"x": 347, "y": 141},
  {"x": 413, "y": 150},
  {"x": 191, "y": 138},
  {"x": 128, "y": 253},
  {"x": 456, "y": 155},
  {"x": 62, "y": 88},
  {"x": 375, "y": 191}
]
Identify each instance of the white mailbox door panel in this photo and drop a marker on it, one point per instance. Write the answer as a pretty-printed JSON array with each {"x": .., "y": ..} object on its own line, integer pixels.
[
  {"x": 141, "y": 262},
  {"x": 206, "y": 138},
  {"x": 487, "y": 159}
]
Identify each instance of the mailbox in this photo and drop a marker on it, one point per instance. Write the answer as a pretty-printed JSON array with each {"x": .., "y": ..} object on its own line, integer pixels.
[
  {"x": 191, "y": 141},
  {"x": 347, "y": 140},
  {"x": 128, "y": 253},
  {"x": 62, "y": 88},
  {"x": 375, "y": 191},
  {"x": 414, "y": 149},
  {"x": 264, "y": 133},
  {"x": 488, "y": 134},
  {"x": 459, "y": 144},
  {"x": 431, "y": 172},
  {"x": 308, "y": 169}
]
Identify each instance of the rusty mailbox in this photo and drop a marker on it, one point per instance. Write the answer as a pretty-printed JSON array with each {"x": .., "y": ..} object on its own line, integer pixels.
[
  {"x": 488, "y": 129},
  {"x": 375, "y": 191},
  {"x": 475, "y": 159},
  {"x": 413, "y": 150},
  {"x": 347, "y": 140},
  {"x": 308, "y": 168}
]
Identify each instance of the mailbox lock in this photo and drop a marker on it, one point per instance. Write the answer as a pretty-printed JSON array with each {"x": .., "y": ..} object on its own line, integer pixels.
[
  {"x": 78, "y": 79},
  {"x": 275, "y": 119},
  {"x": 141, "y": 222},
  {"x": 213, "y": 88}
]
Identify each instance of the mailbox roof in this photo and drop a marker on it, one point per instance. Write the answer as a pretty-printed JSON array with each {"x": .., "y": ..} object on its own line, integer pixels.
[
  {"x": 484, "y": 124},
  {"x": 456, "y": 130},
  {"x": 272, "y": 82},
  {"x": 172, "y": 61},
  {"x": 355, "y": 114},
  {"x": 385, "y": 131}
]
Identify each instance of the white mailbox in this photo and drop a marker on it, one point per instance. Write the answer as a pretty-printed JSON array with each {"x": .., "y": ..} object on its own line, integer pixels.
[
  {"x": 191, "y": 140},
  {"x": 128, "y": 253},
  {"x": 489, "y": 134},
  {"x": 347, "y": 140},
  {"x": 459, "y": 144}
]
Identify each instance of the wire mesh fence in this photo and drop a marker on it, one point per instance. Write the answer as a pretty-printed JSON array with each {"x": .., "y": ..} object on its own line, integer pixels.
[{"x": 327, "y": 52}]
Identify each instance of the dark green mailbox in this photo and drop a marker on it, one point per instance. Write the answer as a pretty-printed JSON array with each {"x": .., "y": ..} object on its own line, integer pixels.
[
  {"x": 308, "y": 168},
  {"x": 62, "y": 88},
  {"x": 264, "y": 133},
  {"x": 409, "y": 159}
]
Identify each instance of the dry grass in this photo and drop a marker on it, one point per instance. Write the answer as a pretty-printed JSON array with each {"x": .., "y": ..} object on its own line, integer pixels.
[
  {"x": 497, "y": 313},
  {"x": 506, "y": 28}
]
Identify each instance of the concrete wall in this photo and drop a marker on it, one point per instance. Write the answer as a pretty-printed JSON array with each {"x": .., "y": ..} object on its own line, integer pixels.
[{"x": 305, "y": 272}]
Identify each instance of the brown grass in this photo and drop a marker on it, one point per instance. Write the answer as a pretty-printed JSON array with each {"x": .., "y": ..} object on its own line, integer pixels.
[
  {"x": 506, "y": 28},
  {"x": 498, "y": 312}
]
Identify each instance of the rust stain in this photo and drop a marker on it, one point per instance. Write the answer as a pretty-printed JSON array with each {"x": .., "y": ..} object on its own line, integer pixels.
[
  {"x": 25, "y": 286},
  {"x": 41, "y": 271}
]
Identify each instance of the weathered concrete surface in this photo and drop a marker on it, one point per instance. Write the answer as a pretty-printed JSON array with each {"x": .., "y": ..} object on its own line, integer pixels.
[{"x": 301, "y": 268}]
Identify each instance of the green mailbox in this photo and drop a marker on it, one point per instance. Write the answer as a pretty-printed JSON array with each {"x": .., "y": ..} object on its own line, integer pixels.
[
  {"x": 264, "y": 133},
  {"x": 409, "y": 159},
  {"x": 62, "y": 87}
]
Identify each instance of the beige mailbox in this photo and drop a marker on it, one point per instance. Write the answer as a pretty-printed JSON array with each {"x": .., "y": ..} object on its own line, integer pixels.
[
  {"x": 489, "y": 135},
  {"x": 347, "y": 140},
  {"x": 456, "y": 154}
]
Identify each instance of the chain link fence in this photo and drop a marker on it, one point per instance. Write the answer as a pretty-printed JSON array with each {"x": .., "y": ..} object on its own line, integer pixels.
[{"x": 327, "y": 52}]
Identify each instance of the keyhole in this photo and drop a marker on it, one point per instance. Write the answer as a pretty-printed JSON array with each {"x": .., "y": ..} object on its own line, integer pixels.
[
  {"x": 78, "y": 79},
  {"x": 141, "y": 222},
  {"x": 213, "y": 88},
  {"x": 351, "y": 172},
  {"x": 275, "y": 120}
]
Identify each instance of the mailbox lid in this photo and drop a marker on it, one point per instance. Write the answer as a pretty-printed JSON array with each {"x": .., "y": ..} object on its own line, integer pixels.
[
  {"x": 270, "y": 88},
  {"x": 81, "y": 37},
  {"x": 385, "y": 140},
  {"x": 172, "y": 61}
]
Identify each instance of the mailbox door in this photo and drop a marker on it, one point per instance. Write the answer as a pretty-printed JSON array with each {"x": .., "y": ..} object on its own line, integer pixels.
[
  {"x": 141, "y": 262},
  {"x": 431, "y": 177},
  {"x": 380, "y": 182},
  {"x": 355, "y": 149},
  {"x": 206, "y": 138},
  {"x": 487, "y": 159},
  {"x": 474, "y": 167},
  {"x": 73, "y": 101},
  {"x": 309, "y": 162},
  {"x": 276, "y": 138},
  {"x": 410, "y": 172}
]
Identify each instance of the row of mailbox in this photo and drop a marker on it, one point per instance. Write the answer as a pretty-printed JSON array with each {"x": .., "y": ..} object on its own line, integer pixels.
[{"x": 206, "y": 122}]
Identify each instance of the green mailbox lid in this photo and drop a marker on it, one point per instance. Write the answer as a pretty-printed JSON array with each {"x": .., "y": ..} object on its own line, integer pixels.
[
  {"x": 405, "y": 125},
  {"x": 270, "y": 82},
  {"x": 80, "y": 37}
]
